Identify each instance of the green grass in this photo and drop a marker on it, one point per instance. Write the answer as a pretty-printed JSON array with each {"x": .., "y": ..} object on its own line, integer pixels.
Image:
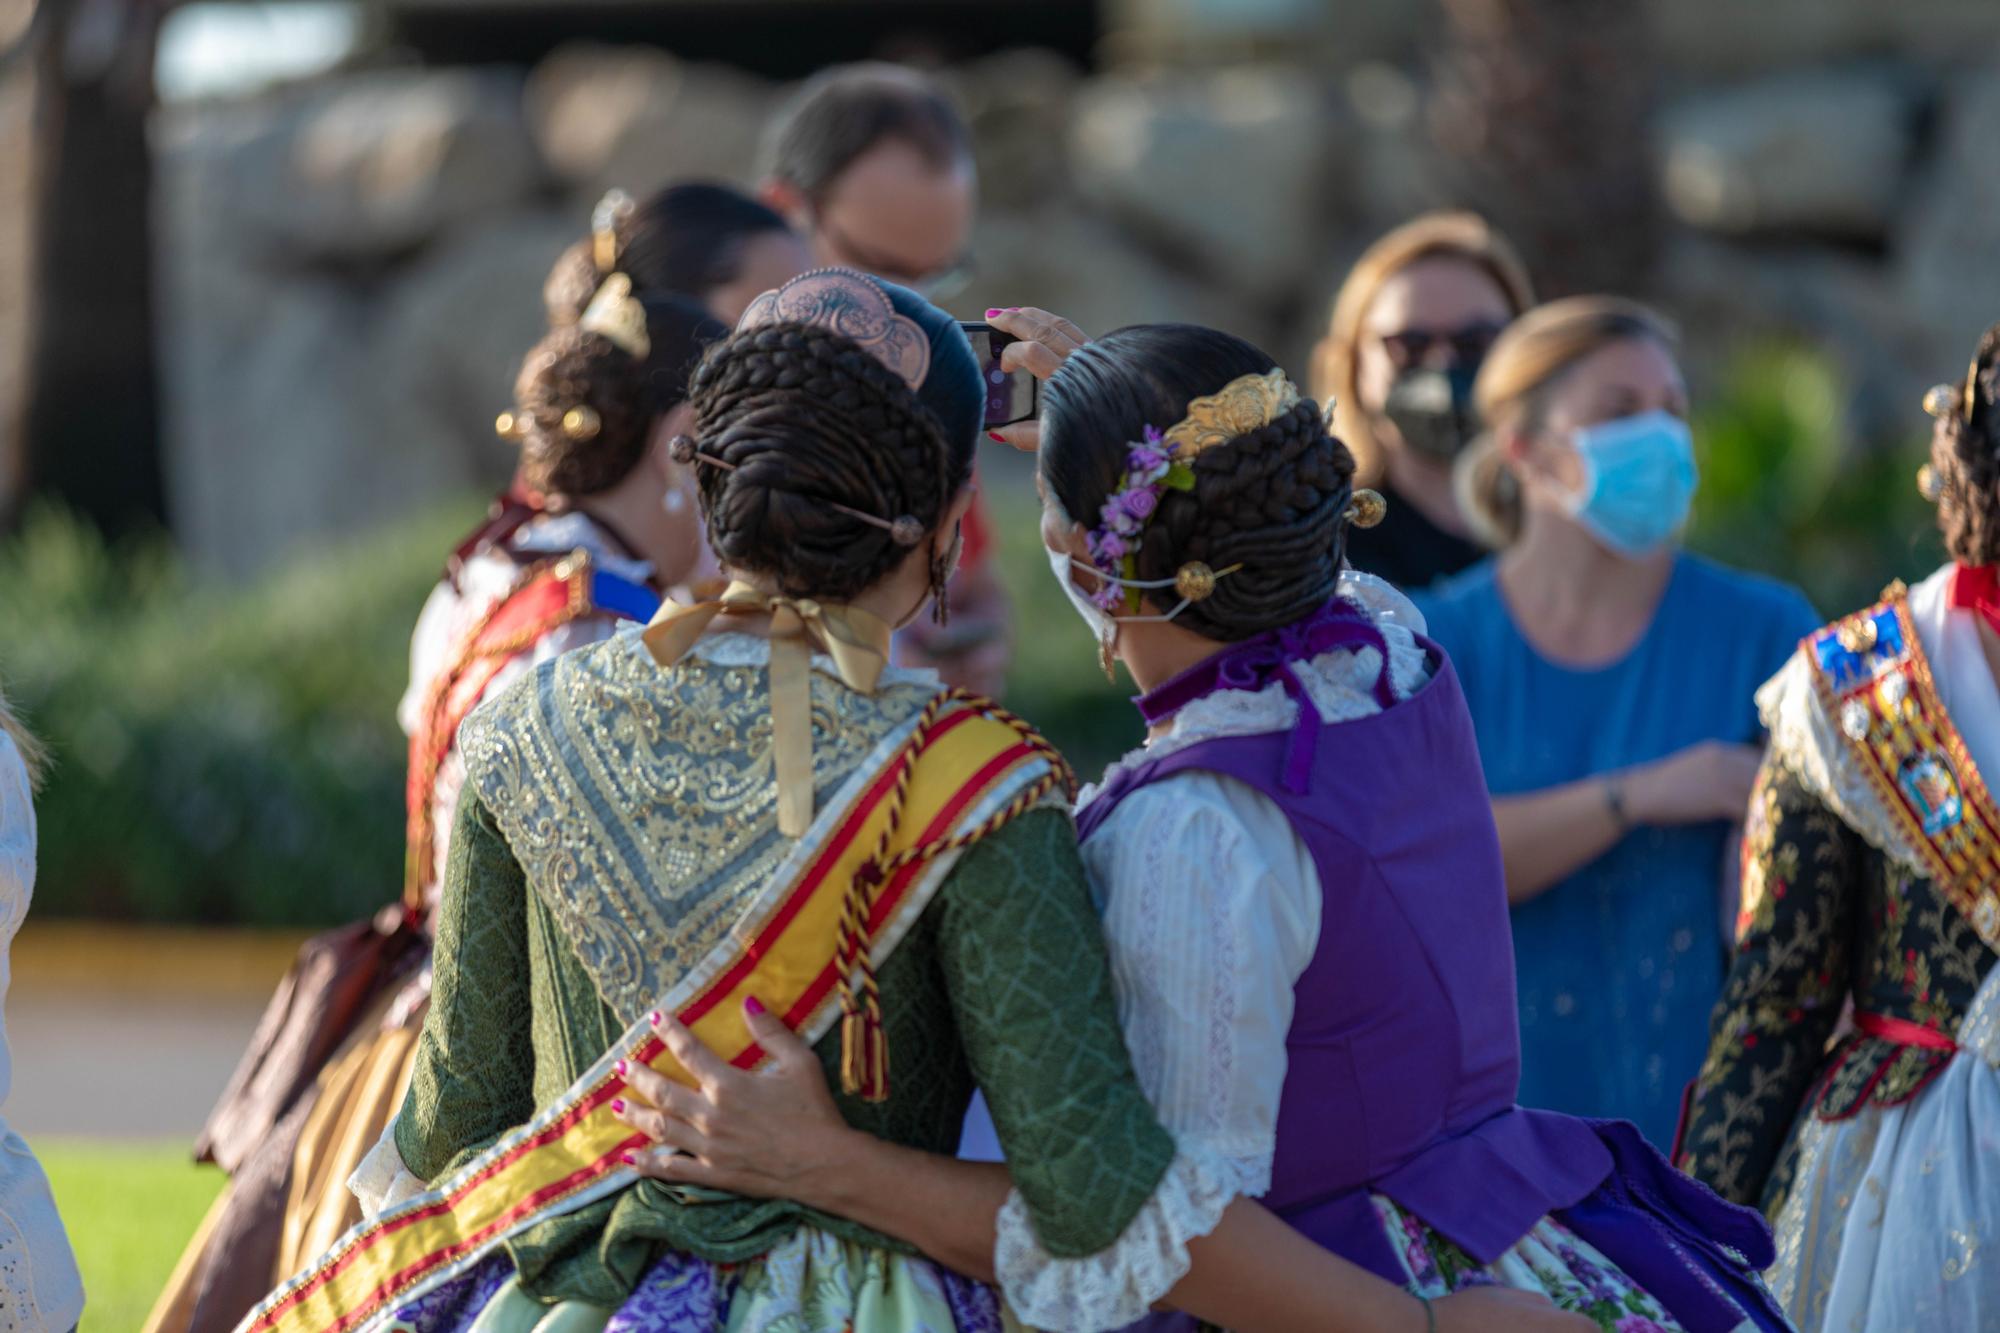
[{"x": 130, "y": 1209}]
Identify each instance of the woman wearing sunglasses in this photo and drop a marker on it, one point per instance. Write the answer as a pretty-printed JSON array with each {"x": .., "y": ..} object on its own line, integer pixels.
[
  {"x": 1610, "y": 676},
  {"x": 1870, "y": 876},
  {"x": 1410, "y": 327}
]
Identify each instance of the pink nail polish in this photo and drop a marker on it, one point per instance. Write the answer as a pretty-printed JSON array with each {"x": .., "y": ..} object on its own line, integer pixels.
[
  {"x": 655, "y": 1018},
  {"x": 996, "y": 437},
  {"x": 628, "y": 1159},
  {"x": 752, "y": 1005},
  {"x": 618, "y": 1106},
  {"x": 622, "y": 1068},
  {"x": 991, "y": 313}
]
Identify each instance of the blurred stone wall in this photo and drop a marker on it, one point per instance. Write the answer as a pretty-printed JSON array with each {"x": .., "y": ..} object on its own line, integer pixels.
[{"x": 351, "y": 268}]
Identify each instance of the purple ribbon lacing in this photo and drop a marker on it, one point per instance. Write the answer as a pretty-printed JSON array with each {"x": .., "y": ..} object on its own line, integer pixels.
[{"x": 1255, "y": 663}]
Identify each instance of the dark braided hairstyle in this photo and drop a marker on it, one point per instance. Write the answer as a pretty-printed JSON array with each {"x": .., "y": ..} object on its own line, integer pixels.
[
  {"x": 1965, "y": 454},
  {"x": 1274, "y": 500},
  {"x": 805, "y": 417},
  {"x": 571, "y": 370}
]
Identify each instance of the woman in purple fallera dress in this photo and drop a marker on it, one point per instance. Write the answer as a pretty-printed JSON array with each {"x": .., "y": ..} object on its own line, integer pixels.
[{"x": 1303, "y": 899}]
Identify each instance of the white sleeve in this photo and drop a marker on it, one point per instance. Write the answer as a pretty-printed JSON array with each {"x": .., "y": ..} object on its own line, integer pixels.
[{"x": 1211, "y": 913}]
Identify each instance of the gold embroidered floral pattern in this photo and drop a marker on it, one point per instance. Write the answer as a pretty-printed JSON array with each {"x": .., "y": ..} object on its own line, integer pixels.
[
  {"x": 641, "y": 801},
  {"x": 1832, "y": 918}
]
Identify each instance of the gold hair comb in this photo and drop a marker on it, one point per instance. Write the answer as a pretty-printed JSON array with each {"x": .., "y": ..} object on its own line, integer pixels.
[{"x": 616, "y": 314}]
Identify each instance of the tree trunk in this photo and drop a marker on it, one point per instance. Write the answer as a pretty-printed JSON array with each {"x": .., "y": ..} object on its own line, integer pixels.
[
  {"x": 1543, "y": 122},
  {"x": 92, "y": 438}
]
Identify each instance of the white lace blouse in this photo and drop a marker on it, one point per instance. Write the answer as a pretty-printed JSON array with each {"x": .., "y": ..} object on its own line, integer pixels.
[
  {"x": 1211, "y": 909},
  {"x": 39, "y": 1285}
]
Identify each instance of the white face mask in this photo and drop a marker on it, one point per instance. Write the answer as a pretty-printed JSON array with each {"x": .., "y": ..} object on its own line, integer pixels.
[{"x": 1104, "y": 625}]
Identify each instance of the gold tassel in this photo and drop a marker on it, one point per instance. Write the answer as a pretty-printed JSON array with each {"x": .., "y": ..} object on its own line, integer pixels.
[{"x": 864, "y": 1054}]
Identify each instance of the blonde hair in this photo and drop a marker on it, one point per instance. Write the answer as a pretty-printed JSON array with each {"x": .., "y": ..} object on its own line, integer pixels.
[
  {"x": 1514, "y": 385},
  {"x": 32, "y": 753},
  {"x": 1337, "y": 358}
]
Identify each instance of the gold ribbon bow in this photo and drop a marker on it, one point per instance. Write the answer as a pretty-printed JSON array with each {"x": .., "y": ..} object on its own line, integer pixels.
[{"x": 856, "y": 640}]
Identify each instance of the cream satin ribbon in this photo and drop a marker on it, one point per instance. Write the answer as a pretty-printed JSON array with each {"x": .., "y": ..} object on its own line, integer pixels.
[{"x": 856, "y": 640}]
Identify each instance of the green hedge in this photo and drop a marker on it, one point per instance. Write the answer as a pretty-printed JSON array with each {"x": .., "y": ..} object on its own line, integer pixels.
[{"x": 221, "y": 754}]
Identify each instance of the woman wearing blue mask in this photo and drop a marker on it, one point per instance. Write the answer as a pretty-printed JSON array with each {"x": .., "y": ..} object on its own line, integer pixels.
[{"x": 1610, "y": 676}]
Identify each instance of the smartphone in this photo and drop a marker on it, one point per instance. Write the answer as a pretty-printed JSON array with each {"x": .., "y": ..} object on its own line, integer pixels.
[{"x": 1011, "y": 396}]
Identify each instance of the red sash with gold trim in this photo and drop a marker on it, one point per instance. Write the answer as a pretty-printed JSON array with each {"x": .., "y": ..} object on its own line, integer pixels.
[
  {"x": 966, "y": 770},
  {"x": 547, "y": 596},
  {"x": 1875, "y": 683}
]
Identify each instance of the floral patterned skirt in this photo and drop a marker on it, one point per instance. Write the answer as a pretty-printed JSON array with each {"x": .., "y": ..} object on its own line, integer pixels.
[
  {"x": 812, "y": 1283},
  {"x": 1550, "y": 1259}
]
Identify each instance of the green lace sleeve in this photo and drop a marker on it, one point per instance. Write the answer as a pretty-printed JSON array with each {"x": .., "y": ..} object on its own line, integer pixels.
[
  {"x": 1783, "y": 995},
  {"x": 475, "y": 1068},
  {"x": 1030, "y": 986}
]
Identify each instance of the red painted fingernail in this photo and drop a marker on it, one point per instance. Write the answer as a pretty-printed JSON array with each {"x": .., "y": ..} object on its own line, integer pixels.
[
  {"x": 752, "y": 1005},
  {"x": 995, "y": 311},
  {"x": 628, "y": 1159},
  {"x": 996, "y": 437},
  {"x": 622, "y": 1068},
  {"x": 654, "y": 1018},
  {"x": 618, "y": 1106}
]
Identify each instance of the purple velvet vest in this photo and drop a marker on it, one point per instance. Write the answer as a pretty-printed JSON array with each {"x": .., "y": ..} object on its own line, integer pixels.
[{"x": 1403, "y": 1054}]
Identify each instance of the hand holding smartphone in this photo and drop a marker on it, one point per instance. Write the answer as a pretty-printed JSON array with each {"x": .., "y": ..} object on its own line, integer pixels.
[{"x": 1011, "y": 396}]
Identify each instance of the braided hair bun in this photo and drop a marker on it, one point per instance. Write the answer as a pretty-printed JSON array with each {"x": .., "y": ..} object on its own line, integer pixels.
[
  {"x": 805, "y": 420},
  {"x": 1965, "y": 454},
  {"x": 1273, "y": 500}
]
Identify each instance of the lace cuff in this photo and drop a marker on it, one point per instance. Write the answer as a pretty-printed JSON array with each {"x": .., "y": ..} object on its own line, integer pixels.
[
  {"x": 383, "y": 1179},
  {"x": 1120, "y": 1283}
]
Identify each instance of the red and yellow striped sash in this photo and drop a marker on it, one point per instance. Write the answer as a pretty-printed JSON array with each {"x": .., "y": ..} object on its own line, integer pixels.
[{"x": 970, "y": 769}]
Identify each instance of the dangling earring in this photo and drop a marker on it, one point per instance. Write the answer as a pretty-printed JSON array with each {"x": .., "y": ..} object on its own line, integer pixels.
[{"x": 943, "y": 566}]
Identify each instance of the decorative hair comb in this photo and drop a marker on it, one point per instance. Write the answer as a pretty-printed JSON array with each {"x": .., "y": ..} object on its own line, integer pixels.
[
  {"x": 616, "y": 314},
  {"x": 856, "y": 307},
  {"x": 612, "y": 209},
  {"x": 1162, "y": 461},
  {"x": 904, "y": 530}
]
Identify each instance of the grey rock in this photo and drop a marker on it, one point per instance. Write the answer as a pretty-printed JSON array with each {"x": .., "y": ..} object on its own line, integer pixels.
[
  {"x": 1232, "y": 169},
  {"x": 1728, "y": 37},
  {"x": 636, "y": 118},
  {"x": 1946, "y": 246},
  {"x": 374, "y": 165},
  {"x": 1822, "y": 152}
]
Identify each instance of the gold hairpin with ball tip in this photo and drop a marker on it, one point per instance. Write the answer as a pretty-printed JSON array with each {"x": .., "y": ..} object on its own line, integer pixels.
[{"x": 1367, "y": 508}]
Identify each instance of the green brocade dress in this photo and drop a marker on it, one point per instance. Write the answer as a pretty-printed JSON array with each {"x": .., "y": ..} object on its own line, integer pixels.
[{"x": 1001, "y": 981}]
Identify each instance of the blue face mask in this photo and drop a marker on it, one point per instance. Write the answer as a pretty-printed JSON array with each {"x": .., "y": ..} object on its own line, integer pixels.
[{"x": 1639, "y": 479}]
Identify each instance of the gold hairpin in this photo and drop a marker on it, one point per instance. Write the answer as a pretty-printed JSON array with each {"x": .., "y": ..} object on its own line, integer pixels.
[
  {"x": 1367, "y": 508},
  {"x": 510, "y": 426},
  {"x": 1943, "y": 400},
  {"x": 582, "y": 422},
  {"x": 904, "y": 530}
]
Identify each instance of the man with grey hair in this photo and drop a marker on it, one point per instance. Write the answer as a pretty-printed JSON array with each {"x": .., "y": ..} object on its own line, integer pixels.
[{"x": 872, "y": 163}]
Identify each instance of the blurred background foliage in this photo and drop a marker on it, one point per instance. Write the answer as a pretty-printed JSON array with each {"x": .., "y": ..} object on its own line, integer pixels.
[
  {"x": 232, "y": 755},
  {"x": 222, "y": 754}
]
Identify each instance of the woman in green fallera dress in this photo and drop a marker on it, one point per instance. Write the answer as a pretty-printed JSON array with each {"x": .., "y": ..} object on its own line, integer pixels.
[{"x": 744, "y": 807}]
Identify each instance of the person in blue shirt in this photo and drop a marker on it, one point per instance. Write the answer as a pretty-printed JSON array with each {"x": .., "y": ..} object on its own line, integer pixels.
[{"x": 1610, "y": 676}]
